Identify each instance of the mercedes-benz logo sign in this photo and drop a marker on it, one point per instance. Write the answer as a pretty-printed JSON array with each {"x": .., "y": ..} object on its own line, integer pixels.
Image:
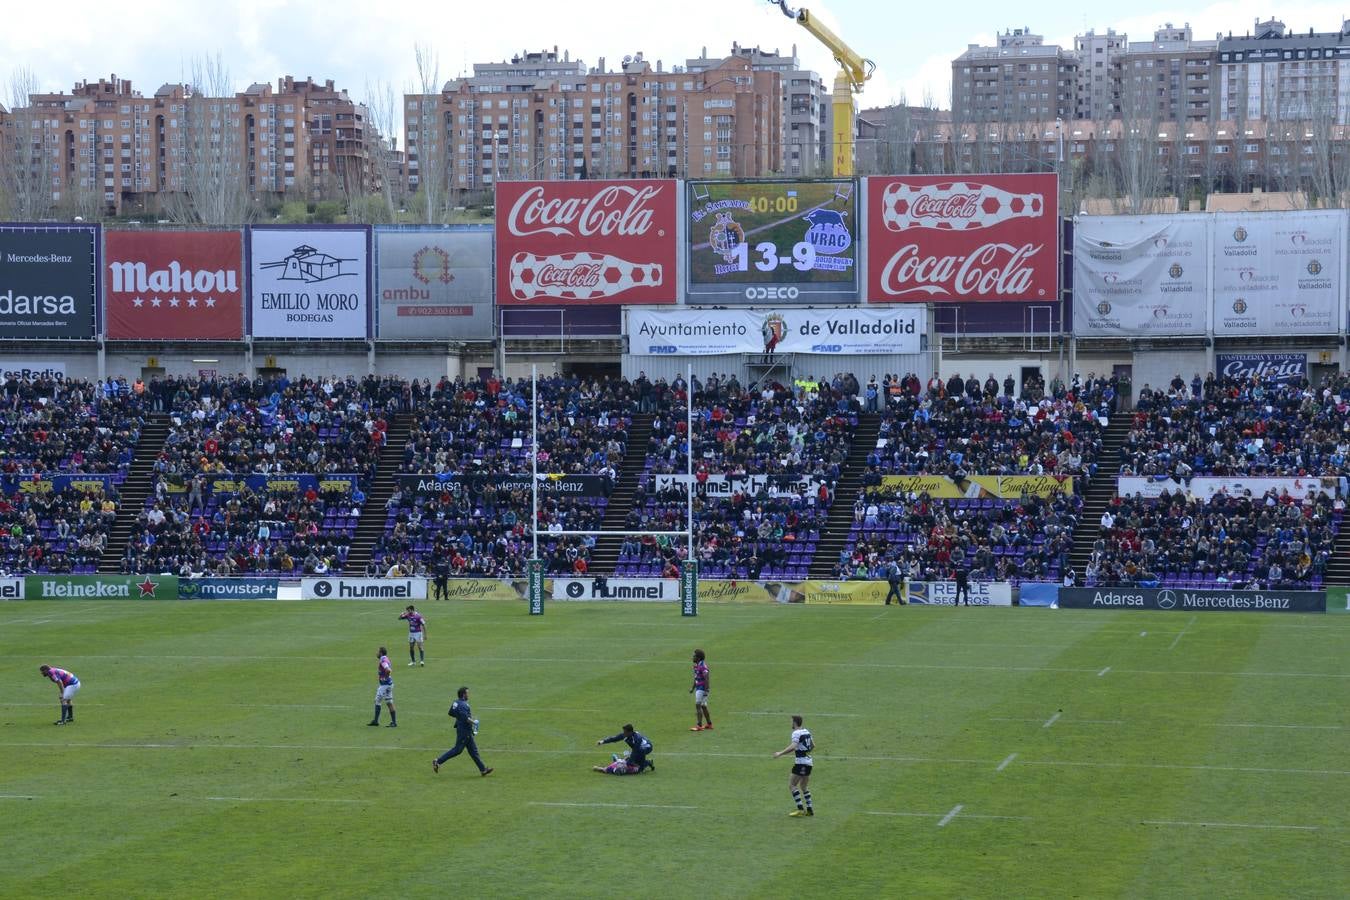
[
  {"x": 1166, "y": 599},
  {"x": 323, "y": 588},
  {"x": 575, "y": 589}
]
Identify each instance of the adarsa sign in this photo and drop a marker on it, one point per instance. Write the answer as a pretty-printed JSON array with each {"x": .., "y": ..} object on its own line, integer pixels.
[
  {"x": 1193, "y": 600},
  {"x": 983, "y": 237}
]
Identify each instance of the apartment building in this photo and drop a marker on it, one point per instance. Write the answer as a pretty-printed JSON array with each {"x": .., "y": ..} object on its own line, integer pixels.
[
  {"x": 107, "y": 144},
  {"x": 1019, "y": 79},
  {"x": 1275, "y": 74},
  {"x": 1168, "y": 79},
  {"x": 542, "y": 116},
  {"x": 807, "y": 113},
  {"x": 1098, "y": 95}
]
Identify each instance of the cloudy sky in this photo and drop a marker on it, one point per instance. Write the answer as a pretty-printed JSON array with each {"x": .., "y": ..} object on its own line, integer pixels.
[{"x": 360, "y": 42}]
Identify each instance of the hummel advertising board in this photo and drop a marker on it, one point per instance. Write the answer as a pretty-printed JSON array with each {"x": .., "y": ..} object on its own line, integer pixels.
[
  {"x": 616, "y": 589},
  {"x": 363, "y": 589},
  {"x": 1188, "y": 600}
]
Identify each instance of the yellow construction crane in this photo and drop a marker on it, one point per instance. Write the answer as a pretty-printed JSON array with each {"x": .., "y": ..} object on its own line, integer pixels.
[{"x": 854, "y": 71}]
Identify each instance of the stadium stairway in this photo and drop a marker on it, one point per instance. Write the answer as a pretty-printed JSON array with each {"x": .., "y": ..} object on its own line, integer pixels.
[
  {"x": 834, "y": 536},
  {"x": 605, "y": 553},
  {"x": 1338, "y": 568},
  {"x": 371, "y": 527},
  {"x": 1099, "y": 494},
  {"x": 137, "y": 486}
]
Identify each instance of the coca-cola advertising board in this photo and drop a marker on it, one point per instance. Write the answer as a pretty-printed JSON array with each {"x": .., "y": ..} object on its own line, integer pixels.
[
  {"x": 1278, "y": 273},
  {"x": 935, "y": 239},
  {"x": 179, "y": 285},
  {"x": 772, "y": 242},
  {"x": 586, "y": 242},
  {"x": 309, "y": 282},
  {"x": 433, "y": 284},
  {"x": 48, "y": 281},
  {"x": 1141, "y": 275}
]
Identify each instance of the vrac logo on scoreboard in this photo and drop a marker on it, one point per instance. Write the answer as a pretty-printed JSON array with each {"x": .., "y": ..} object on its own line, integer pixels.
[{"x": 772, "y": 241}]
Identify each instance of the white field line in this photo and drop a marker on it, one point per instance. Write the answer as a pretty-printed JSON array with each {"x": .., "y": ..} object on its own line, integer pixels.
[
  {"x": 1006, "y": 762},
  {"x": 810, "y": 715},
  {"x": 1045, "y": 724},
  {"x": 930, "y": 760},
  {"x": 1180, "y": 634},
  {"x": 1103, "y": 672},
  {"x": 283, "y": 800},
  {"x": 612, "y": 805},
  {"x": 515, "y": 660},
  {"x": 1233, "y": 825},
  {"x": 17, "y": 797},
  {"x": 949, "y": 816},
  {"x": 1053, "y": 719}
]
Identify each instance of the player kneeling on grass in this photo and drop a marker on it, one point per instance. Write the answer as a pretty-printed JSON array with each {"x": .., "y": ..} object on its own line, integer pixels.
[
  {"x": 68, "y": 685},
  {"x": 638, "y": 748}
]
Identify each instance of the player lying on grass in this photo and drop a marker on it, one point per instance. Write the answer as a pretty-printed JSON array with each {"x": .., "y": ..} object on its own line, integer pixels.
[
  {"x": 638, "y": 748},
  {"x": 619, "y": 766}
]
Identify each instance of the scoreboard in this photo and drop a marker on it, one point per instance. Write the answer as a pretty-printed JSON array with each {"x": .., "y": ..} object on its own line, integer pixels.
[{"x": 772, "y": 242}]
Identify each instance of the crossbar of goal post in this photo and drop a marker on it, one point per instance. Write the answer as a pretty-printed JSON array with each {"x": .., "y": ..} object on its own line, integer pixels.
[{"x": 688, "y": 568}]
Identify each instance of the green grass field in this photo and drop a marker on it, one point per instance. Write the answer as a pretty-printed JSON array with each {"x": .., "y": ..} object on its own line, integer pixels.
[{"x": 221, "y": 749}]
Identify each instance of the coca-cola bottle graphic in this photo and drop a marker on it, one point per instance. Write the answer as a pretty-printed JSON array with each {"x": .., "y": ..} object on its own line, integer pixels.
[
  {"x": 954, "y": 206},
  {"x": 577, "y": 276}
]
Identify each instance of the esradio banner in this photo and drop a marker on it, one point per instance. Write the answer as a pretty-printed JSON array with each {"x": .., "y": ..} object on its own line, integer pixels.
[
  {"x": 936, "y": 238},
  {"x": 178, "y": 285},
  {"x": 585, "y": 242},
  {"x": 308, "y": 282},
  {"x": 48, "y": 281},
  {"x": 1278, "y": 273},
  {"x": 828, "y": 330},
  {"x": 1141, "y": 275}
]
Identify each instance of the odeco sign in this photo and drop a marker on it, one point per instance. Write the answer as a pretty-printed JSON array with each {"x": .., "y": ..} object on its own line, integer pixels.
[{"x": 1186, "y": 600}]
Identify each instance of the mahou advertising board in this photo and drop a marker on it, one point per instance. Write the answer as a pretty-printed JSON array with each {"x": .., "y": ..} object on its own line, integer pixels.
[
  {"x": 934, "y": 239},
  {"x": 586, "y": 242},
  {"x": 178, "y": 285}
]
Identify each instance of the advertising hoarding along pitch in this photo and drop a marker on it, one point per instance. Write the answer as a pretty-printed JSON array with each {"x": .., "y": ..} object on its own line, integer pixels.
[
  {"x": 175, "y": 285},
  {"x": 1216, "y": 599},
  {"x": 1141, "y": 275},
  {"x": 308, "y": 282},
  {"x": 434, "y": 285},
  {"x": 586, "y": 242},
  {"x": 830, "y": 331},
  {"x": 933, "y": 238},
  {"x": 1278, "y": 273},
  {"x": 48, "y": 282},
  {"x": 772, "y": 242}
]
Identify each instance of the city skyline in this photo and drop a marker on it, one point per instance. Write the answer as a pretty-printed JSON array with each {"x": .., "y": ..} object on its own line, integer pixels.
[{"x": 358, "y": 45}]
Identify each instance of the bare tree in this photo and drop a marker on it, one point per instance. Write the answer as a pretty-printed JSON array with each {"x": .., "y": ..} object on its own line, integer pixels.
[
  {"x": 1139, "y": 172},
  {"x": 386, "y": 196},
  {"x": 433, "y": 177},
  {"x": 215, "y": 190},
  {"x": 30, "y": 151}
]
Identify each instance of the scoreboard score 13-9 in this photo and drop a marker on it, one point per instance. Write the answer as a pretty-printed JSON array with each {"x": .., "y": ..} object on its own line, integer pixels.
[{"x": 772, "y": 242}]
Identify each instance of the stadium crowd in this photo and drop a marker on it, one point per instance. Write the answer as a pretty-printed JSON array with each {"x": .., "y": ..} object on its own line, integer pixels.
[{"x": 768, "y": 459}]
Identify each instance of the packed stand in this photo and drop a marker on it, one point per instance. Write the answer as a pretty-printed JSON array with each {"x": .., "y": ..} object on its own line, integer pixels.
[
  {"x": 1271, "y": 541},
  {"x": 61, "y": 532},
  {"x": 961, "y": 428},
  {"x": 479, "y": 428},
  {"x": 1222, "y": 426},
  {"x": 766, "y": 460},
  {"x": 71, "y": 426}
]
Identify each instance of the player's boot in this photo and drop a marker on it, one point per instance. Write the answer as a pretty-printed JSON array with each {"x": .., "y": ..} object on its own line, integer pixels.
[
  {"x": 488, "y": 771},
  {"x": 797, "y": 812},
  {"x": 435, "y": 766},
  {"x": 810, "y": 811},
  {"x": 392, "y": 725},
  {"x": 696, "y": 728},
  {"x": 708, "y": 727},
  {"x": 373, "y": 722}
]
